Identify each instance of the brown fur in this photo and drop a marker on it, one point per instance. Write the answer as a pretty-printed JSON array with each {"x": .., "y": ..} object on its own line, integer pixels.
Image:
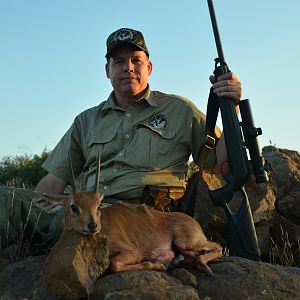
[{"x": 139, "y": 237}]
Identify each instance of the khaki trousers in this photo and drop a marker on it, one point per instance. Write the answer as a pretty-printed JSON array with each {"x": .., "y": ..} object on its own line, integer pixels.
[{"x": 22, "y": 222}]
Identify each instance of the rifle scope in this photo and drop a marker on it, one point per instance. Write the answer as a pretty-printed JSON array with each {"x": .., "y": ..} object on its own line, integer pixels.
[{"x": 251, "y": 133}]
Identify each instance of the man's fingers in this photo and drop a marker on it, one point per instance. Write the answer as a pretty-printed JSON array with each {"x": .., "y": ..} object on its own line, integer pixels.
[
  {"x": 212, "y": 79},
  {"x": 229, "y": 91},
  {"x": 230, "y": 95},
  {"x": 226, "y": 83},
  {"x": 227, "y": 76},
  {"x": 228, "y": 86}
]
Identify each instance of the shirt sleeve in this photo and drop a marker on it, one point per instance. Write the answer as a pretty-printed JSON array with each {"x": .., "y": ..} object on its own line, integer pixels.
[{"x": 68, "y": 149}]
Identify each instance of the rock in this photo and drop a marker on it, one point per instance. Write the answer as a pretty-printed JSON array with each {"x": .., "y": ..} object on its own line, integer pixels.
[
  {"x": 286, "y": 180},
  {"x": 75, "y": 263},
  {"x": 24, "y": 279},
  {"x": 262, "y": 200},
  {"x": 234, "y": 278},
  {"x": 184, "y": 276},
  {"x": 144, "y": 285},
  {"x": 238, "y": 278},
  {"x": 289, "y": 206}
]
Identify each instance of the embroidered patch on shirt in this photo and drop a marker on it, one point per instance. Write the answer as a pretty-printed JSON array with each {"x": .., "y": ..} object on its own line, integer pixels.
[{"x": 158, "y": 121}]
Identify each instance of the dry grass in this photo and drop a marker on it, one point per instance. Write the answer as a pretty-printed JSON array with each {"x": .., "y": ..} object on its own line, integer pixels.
[
  {"x": 20, "y": 246},
  {"x": 283, "y": 254}
]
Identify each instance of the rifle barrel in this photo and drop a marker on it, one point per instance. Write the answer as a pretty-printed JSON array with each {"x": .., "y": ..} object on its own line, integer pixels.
[{"x": 216, "y": 30}]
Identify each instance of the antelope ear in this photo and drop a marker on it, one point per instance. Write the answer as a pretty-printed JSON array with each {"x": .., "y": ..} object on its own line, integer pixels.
[{"x": 50, "y": 203}]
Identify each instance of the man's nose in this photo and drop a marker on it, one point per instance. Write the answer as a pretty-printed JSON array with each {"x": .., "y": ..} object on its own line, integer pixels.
[{"x": 128, "y": 66}]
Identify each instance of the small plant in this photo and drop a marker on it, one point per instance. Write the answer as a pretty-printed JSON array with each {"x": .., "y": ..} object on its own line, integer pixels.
[
  {"x": 16, "y": 246},
  {"x": 282, "y": 255},
  {"x": 273, "y": 146}
]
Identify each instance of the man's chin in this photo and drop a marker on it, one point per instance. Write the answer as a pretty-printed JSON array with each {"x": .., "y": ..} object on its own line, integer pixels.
[{"x": 133, "y": 90}]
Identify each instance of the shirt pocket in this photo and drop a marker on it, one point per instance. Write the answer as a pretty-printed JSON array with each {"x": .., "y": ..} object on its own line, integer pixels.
[
  {"x": 162, "y": 142},
  {"x": 103, "y": 142}
]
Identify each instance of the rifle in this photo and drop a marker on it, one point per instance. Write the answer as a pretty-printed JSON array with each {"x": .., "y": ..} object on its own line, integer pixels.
[{"x": 239, "y": 136}]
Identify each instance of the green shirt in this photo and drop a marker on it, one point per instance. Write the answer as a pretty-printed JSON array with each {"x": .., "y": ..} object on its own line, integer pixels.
[{"x": 149, "y": 143}]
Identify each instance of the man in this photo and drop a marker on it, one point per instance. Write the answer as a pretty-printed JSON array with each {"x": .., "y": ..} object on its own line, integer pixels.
[{"x": 144, "y": 137}]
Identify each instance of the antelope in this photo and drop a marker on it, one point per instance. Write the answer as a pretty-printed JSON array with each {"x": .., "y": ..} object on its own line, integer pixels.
[{"x": 139, "y": 237}]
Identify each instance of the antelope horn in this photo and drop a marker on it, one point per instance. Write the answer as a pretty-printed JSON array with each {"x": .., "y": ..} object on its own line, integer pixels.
[
  {"x": 97, "y": 175},
  {"x": 73, "y": 181}
]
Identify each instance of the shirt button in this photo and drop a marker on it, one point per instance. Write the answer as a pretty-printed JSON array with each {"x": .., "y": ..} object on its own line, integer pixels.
[
  {"x": 115, "y": 170},
  {"x": 121, "y": 153},
  {"x": 127, "y": 136},
  {"x": 128, "y": 115},
  {"x": 105, "y": 187}
]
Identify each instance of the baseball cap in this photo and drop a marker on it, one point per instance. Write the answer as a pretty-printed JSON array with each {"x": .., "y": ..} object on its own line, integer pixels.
[{"x": 125, "y": 36}]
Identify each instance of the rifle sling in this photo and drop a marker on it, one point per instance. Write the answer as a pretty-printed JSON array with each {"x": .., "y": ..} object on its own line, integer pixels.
[{"x": 211, "y": 119}]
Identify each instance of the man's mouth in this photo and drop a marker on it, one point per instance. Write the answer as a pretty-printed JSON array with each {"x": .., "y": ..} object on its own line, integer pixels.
[{"x": 128, "y": 79}]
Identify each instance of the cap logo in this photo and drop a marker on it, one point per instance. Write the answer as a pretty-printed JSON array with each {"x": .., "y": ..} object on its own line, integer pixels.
[
  {"x": 123, "y": 35},
  {"x": 158, "y": 121}
]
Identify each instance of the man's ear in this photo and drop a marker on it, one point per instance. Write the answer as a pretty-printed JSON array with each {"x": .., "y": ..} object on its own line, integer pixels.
[
  {"x": 50, "y": 203},
  {"x": 149, "y": 67},
  {"x": 107, "y": 70}
]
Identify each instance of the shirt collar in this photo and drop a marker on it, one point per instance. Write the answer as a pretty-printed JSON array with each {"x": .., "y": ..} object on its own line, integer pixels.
[
  {"x": 110, "y": 103},
  {"x": 149, "y": 97}
]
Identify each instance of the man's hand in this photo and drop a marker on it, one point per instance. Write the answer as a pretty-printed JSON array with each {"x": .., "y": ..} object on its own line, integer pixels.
[
  {"x": 227, "y": 86},
  {"x": 51, "y": 184}
]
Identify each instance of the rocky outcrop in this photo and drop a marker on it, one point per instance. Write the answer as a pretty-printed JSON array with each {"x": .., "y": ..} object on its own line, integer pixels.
[
  {"x": 234, "y": 278},
  {"x": 275, "y": 207}
]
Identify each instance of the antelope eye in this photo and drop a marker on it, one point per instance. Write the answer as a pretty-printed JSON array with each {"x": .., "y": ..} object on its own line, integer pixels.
[{"x": 75, "y": 210}]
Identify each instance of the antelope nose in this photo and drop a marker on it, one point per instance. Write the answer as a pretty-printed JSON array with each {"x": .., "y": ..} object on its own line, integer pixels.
[{"x": 92, "y": 226}]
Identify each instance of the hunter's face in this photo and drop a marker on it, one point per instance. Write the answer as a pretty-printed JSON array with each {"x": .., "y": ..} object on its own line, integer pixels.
[{"x": 128, "y": 70}]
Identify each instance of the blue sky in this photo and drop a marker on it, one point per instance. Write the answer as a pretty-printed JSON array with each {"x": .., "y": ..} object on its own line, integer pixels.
[{"x": 52, "y": 61}]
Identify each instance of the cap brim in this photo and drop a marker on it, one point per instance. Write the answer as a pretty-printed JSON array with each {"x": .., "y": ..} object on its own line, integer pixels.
[{"x": 122, "y": 44}]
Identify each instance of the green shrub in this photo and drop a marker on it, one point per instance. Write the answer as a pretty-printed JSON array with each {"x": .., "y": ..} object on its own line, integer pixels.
[{"x": 23, "y": 170}]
